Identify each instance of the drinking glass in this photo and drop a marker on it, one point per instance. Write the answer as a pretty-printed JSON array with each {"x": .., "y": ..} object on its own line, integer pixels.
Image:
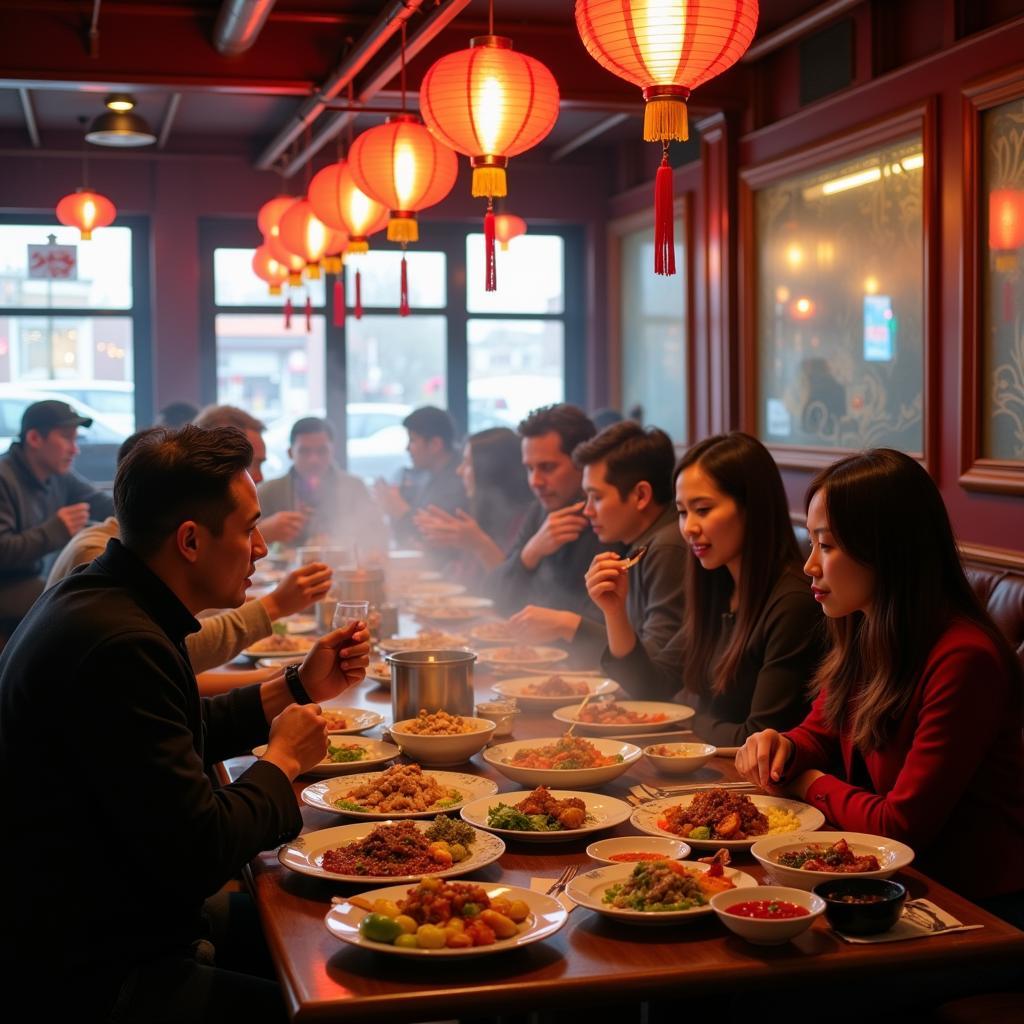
[{"x": 347, "y": 612}]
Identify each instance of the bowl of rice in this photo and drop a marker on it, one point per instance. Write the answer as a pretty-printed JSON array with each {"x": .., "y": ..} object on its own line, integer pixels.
[{"x": 439, "y": 738}]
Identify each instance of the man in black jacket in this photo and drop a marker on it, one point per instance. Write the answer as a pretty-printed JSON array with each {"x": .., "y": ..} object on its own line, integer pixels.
[
  {"x": 115, "y": 834},
  {"x": 43, "y": 503}
]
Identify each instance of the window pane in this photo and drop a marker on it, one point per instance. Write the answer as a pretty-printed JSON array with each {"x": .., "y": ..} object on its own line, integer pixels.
[
  {"x": 531, "y": 276},
  {"x": 103, "y": 276},
  {"x": 653, "y": 333},
  {"x": 514, "y": 366},
  {"x": 394, "y": 364},
  {"x": 1001, "y": 391},
  {"x": 235, "y": 284},
  {"x": 276, "y": 374},
  {"x": 381, "y": 273},
  {"x": 841, "y": 304},
  {"x": 84, "y": 360}
]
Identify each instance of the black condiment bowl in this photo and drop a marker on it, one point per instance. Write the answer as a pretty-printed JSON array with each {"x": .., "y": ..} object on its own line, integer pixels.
[{"x": 862, "y": 918}]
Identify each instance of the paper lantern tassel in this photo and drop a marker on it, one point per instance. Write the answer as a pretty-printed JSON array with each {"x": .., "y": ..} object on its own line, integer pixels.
[
  {"x": 403, "y": 308},
  {"x": 664, "y": 242},
  {"x": 339, "y": 300},
  {"x": 491, "y": 276},
  {"x": 359, "y": 296},
  {"x": 288, "y": 313},
  {"x": 309, "y": 314}
]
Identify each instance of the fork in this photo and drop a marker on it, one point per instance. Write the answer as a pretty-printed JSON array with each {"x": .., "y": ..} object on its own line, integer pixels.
[
  {"x": 660, "y": 791},
  {"x": 559, "y": 884},
  {"x": 924, "y": 918}
]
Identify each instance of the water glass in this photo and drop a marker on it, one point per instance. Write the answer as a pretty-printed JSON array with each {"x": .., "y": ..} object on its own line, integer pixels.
[{"x": 347, "y": 612}]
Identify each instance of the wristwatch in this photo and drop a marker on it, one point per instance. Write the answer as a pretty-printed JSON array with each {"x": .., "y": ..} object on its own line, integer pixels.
[{"x": 294, "y": 683}]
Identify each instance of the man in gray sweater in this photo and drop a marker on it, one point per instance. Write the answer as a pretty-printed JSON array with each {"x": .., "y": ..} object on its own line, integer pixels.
[{"x": 43, "y": 503}]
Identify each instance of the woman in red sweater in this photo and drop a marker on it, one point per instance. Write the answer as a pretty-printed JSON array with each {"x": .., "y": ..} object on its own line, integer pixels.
[{"x": 915, "y": 732}]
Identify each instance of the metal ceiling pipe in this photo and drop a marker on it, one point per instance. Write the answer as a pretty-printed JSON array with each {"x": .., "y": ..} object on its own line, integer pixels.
[
  {"x": 386, "y": 24},
  {"x": 330, "y": 126},
  {"x": 239, "y": 22}
]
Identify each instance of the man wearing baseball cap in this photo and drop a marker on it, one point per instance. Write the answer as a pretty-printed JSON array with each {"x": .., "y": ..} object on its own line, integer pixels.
[{"x": 43, "y": 503}]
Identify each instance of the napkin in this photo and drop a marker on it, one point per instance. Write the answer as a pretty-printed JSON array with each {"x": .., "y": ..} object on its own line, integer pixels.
[
  {"x": 543, "y": 884},
  {"x": 921, "y": 919}
]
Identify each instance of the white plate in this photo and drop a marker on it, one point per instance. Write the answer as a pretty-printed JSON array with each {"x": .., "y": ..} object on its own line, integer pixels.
[
  {"x": 516, "y": 687},
  {"x": 506, "y": 632},
  {"x": 305, "y": 854},
  {"x": 569, "y": 778},
  {"x": 606, "y": 811},
  {"x": 527, "y": 655},
  {"x": 448, "y": 642},
  {"x": 276, "y": 656},
  {"x": 892, "y": 856},
  {"x": 588, "y": 891},
  {"x": 674, "y": 714},
  {"x": 547, "y": 915},
  {"x": 646, "y": 816},
  {"x": 301, "y": 624},
  {"x": 323, "y": 794},
  {"x": 377, "y": 752},
  {"x": 358, "y": 720},
  {"x": 380, "y": 673},
  {"x": 456, "y": 609},
  {"x": 428, "y": 591}
]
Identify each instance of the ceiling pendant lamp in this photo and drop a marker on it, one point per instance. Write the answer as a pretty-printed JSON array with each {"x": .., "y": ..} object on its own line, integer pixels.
[
  {"x": 667, "y": 48},
  {"x": 489, "y": 103},
  {"x": 506, "y": 227},
  {"x": 402, "y": 166},
  {"x": 305, "y": 234},
  {"x": 265, "y": 267},
  {"x": 86, "y": 211}
]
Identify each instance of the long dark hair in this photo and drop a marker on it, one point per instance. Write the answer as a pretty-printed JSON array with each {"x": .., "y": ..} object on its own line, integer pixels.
[
  {"x": 885, "y": 512},
  {"x": 742, "y": 468},
  {"x": 501, "y": 487}
]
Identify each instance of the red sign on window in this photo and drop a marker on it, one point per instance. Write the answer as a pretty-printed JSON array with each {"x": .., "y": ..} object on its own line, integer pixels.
[{"x": 53, "y": 262}]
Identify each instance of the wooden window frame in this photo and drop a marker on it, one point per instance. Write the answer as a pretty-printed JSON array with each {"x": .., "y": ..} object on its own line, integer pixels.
[
  {"x": 978, "y": 473},
  {"x": 919, "y": 118}
]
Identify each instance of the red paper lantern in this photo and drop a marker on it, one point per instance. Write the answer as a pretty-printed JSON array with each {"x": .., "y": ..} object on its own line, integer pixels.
[
  {"x": 506, "y": 227},
  {"x": 86, "y": 211},
  {"x": 667, "y": 48},
  {"x": 269, "y": 218},
  {"x": 402, "y": 166},
  {"x": 1006, "y": 219},
  {"x": 268, "y": 269},
  {"x": 306, "y": 235},
  {"x": 490, "y": 103},
  {"x": 339, "y": 202},
  {"x": 295, "y": 264}
]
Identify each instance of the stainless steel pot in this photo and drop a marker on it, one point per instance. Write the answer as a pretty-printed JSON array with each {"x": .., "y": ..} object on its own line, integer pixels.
[
  {"x": 433, "y": 680},
  {"x": 366, "y": 584}
]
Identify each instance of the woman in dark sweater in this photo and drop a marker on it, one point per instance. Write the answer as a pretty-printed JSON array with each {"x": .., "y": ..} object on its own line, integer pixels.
[
  {"x": 916, "y": 730},
  {"x": 751, "y": 639}
]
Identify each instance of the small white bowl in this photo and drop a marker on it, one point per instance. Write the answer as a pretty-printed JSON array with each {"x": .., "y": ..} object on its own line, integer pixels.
[
  {"x": 668, "y": 849},
  {"x": 686, "y": 757},
  {"x": 762, "y": 931},
  {"x": 502, "y": 713},
  {"x": 441, "y": 750}
]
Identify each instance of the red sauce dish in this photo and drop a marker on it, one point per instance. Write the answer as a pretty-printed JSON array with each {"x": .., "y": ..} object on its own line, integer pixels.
[
  {"x": 767, "y": 910},
  {"x": 631, "y": 857}
]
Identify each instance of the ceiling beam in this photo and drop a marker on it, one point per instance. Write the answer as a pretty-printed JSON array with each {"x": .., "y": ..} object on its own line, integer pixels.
[
  {"x": 30, "y": 117},
  {"x": 797, "y": 28},
  {"x": 591, "y": 133},
  {"x": 167, "y": 123}
]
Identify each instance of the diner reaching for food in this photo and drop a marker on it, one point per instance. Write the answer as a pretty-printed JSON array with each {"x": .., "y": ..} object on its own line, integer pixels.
[
  {"x": 106, "y": 646},
  {"x": 915, "y": 732},
  {"x": 750, "y": 638}
]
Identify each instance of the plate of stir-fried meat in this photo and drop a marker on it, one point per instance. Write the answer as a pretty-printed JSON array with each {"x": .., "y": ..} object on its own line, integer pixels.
[
  {"x": 540, "y": 691},
  {"x": 718, "y": 818},
  {"x": 545, "y": 815},
  {"x": 403, "y": 791},
  {"x": 611, "y": 716},
  {"x": 803, "y": 860}
]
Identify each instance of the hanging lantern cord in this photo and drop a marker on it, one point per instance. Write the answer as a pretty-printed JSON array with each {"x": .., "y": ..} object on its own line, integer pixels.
[
  {"x": 403, "y": 67},
  {"x": 490, "y": 18},
  {"x": 664, "y": 242}
]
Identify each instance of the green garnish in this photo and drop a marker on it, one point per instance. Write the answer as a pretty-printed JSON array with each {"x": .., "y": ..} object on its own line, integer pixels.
[
  {"x": 513, "y": 819},
  {"x": 342, "y": 755}
]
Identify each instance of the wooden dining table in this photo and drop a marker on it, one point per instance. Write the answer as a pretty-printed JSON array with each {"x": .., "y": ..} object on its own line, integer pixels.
[{"x": 593, "y": 960}]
